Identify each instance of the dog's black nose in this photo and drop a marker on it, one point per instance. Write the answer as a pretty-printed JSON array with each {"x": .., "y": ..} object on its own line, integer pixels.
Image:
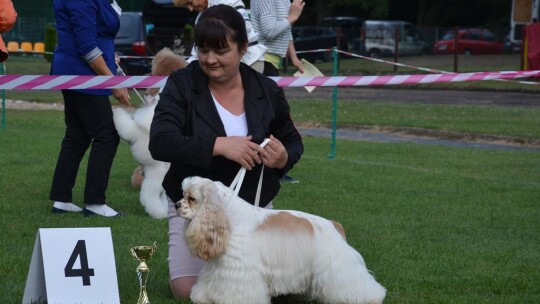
[{"x": 176, "y": 206}]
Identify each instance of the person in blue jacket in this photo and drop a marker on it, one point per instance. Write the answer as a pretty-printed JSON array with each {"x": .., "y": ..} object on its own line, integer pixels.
[{"x": 86, "y": 30}]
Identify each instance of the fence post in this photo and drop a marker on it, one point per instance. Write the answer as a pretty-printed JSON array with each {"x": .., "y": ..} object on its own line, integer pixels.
[
  {"x": 396, "y": 48},
  {"x": 456, "y": 48},
  {"x": 338, "y": 36},
  {"x": 334, "y": 106},
  {"x": 3, "y": 72},
  {"x": 524, "y": 46}
]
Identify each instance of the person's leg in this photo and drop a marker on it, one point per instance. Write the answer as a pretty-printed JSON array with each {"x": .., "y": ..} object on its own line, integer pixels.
[
  {"x": 75, "y": 143},
  {"x": 96, "y": 113},
  {"x": 258, "y": 66},
  {"x": 184, "y": 268},
  {"x": 270, "y": 70},
  {"x": 181, "y": 287}
]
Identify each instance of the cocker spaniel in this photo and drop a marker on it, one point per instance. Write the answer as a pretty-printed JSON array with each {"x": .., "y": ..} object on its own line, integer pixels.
[{"x": 253, "y": 254}]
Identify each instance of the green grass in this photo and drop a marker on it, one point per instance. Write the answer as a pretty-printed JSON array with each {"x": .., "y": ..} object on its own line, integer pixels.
[
  {"x": 435, "y": 224},
  {"x": 523, "y": 122}
]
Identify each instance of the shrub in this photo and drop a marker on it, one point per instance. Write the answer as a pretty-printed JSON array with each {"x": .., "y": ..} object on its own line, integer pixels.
[{"x": 50, "y": 41}]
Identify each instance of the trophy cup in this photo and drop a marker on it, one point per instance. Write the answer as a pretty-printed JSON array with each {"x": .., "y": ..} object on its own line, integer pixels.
[{"x": 142, "y": 254}]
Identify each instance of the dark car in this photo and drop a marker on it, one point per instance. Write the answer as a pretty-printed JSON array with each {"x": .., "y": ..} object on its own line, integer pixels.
[
  {"x": 171, "y": 26},
  {"x": 131, "y": 41},
  {"x": 308, "y": 38},
  {"x": 350, "y": 27},
  {"x": 471, "y": 41},
  {"x": 511, "y": 47}
]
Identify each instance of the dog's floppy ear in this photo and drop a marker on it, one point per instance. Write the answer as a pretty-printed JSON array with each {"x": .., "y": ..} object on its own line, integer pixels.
[
  {"x": 339, "y": 228},
  {"x": 207, "y": 234}
]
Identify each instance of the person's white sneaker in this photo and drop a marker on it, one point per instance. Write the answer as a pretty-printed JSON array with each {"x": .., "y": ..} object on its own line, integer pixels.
[
  {"x": 102, "y": 210},
  {"x": 64, "y": 207}
]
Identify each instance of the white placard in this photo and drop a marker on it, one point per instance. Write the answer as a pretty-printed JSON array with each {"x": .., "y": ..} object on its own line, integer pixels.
[
  {"x": 72, "y": 265},
  {"x": 309, "y": 70}
]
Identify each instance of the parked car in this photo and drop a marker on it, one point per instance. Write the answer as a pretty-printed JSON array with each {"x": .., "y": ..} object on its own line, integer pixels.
[
  {"x": 172, "y": 26},
  {"x": 470, "y": 41},
  {"x": 307, "y": 38},
  {"x": 131, "y": 41},
  {"x": 511, "y": 47},
  {"x": 350, "y": 27},
  {"x": 381, "y": 39}
]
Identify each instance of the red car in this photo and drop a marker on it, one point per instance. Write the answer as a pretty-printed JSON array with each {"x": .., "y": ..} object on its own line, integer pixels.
[{"x": 473, "y": 41}]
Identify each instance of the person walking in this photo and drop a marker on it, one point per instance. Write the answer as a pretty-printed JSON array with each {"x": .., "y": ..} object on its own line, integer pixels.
[
  {"x": 86, "y": 30},
  {"x": 272, "y": 20}
]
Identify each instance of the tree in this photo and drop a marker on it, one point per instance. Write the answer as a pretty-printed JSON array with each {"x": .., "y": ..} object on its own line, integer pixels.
[{"x": 493, "y": 13}]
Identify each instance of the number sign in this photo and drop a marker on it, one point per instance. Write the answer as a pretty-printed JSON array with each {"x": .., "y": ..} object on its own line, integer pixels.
[{"x": 72, "y": 265}]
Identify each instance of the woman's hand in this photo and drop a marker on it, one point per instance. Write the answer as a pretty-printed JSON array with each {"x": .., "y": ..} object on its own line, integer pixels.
[
  {"x": 101, "y": 68},
  {"x": 122, "y": 96},
  {"x": 295, "y": 10},
  {"x": 297, "y": 63},
  {"x": 291, "y": 52},
  {"x": 274, "y": 154},
  {"x": 239, "y": 149}
]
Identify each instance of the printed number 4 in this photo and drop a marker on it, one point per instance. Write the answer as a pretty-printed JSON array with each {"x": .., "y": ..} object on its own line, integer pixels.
[{"x": 84, "y": 272}]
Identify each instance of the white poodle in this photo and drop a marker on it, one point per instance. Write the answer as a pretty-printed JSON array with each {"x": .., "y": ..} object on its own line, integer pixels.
[{"x": 133, "y": 126}]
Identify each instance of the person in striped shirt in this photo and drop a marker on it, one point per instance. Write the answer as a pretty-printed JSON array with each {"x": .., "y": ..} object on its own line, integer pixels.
[
  {"x": 272, "y": 20},
  {"x": 254, "y": 56}
]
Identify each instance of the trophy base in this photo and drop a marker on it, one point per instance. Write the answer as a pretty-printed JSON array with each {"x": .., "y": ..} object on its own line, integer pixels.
[{"x": 143, "y": 298}]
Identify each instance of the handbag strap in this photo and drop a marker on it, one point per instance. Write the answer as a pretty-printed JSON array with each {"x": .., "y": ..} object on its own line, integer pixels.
[{"x": 239, "y": 179}]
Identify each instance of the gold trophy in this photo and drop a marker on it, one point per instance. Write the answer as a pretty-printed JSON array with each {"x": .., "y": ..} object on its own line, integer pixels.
[{"x": 142, "y": 254}]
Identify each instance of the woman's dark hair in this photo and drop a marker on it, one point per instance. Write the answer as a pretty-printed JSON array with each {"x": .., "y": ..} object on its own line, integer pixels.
[{"x": 218, "y": 23}]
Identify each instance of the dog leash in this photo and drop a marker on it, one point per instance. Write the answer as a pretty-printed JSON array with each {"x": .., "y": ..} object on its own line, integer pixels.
[
  {"x": 239, "y": 179},
  {"x": 135, "y": 90}
]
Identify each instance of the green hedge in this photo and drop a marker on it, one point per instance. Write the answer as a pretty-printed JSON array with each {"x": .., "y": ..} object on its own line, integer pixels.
[{"x": 50, "y": 41}]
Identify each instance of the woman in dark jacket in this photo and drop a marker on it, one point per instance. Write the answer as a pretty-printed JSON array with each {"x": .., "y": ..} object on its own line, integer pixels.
[{"x": 209, "y": 122}]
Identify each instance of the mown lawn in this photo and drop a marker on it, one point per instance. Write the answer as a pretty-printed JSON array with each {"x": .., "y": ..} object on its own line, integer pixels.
[{"x": 435, "y": 224}]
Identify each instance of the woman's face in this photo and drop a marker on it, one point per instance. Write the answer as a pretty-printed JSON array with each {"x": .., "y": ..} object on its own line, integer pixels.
[
  {"x": 197, "y": 5},
  {"x": 221, "y": 64}
]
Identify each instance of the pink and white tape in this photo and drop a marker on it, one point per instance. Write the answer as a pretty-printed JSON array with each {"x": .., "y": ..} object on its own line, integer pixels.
[{"x": 51, "y": 82}]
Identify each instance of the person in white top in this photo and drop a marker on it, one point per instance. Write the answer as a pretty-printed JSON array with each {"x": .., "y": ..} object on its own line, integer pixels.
[
  {"x": 255, "y": 54},
  {"x": 210, "y": 120}
]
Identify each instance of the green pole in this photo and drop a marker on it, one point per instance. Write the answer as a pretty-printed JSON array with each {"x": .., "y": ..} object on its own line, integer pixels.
[
  {"x": 334, "y": 106},
  {"x": 2, "y": 72}
]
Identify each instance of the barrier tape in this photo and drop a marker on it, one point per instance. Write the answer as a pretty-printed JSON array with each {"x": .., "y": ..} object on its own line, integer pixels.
[
  {"x": 73, "y": 82},
  {"x": 394, "y": 63},
  {"x": 52, "y": 53},
  {"x": 429, "y": 70},
  {"x": 379, "y": 61},
  {"x": 398, "y": 64},
  {"x": 414, "y": 67}
]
